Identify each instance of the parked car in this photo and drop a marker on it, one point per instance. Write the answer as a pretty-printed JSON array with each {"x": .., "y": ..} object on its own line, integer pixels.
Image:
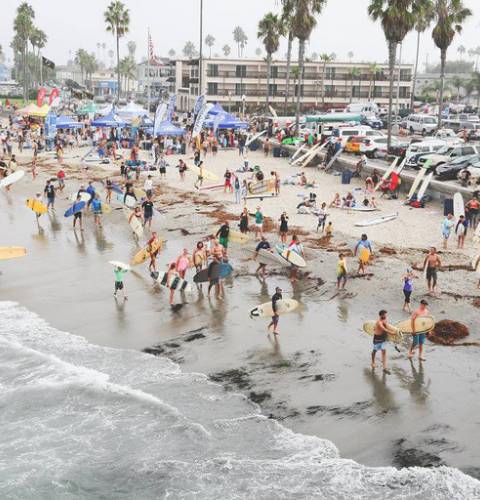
[
  {"x": 447, "y": 135},
  {"x": 373, "y": 122},
  {"x": 449, "y": 171},
  {"x": 354, "y": 143},
  {"x": 421, "y": 124},
  {"x": 446, "y": 154},
  {"x": 345, "y": 132},
  {"x": 416, "y": 150}
]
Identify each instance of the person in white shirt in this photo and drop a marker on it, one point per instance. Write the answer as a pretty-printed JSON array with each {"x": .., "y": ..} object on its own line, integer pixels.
[{"x": 148, "y": 186}]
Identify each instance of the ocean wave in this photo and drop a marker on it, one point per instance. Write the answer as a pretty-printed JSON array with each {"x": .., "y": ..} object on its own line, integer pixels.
[{"x": 83, "y": 421}]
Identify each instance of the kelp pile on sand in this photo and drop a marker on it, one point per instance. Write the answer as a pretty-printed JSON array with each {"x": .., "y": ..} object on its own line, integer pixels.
[{"x": 447, "y": 332}]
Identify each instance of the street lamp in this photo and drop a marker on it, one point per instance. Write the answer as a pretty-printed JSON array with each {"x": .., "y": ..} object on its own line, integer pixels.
[{"x": 243, "y": 105}]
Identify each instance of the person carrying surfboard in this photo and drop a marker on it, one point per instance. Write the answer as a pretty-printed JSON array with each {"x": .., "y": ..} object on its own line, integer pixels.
[
  {"x": 364, "y": 250},
  {"x": 223, "y": 233},
  {"x": 49, "y": 192},
  {"x": 214, "y": 277},
  {"x": 262, "y": 245},
  {"x": 199, "y": 181},
  {"x": 461, "y": 231},
  {"x": 294, "y": 246},
  {"x": 418, "y": 339},
  {"x": 274, "y": 323},
  {"x": 97, "y": 210},
  {"x": 119, "y": 274},
  {"x": 341, "y": 272},
  {"x": 77, "y": 211},
  {"x": 380, "y": 340}
]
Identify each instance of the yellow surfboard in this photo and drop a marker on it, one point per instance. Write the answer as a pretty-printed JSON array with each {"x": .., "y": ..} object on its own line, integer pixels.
[
  {"x": 12, "y": 252},
  {"x": 37, "y": 206},
  {"x": 238, "y": 237},
  {"x": 106, "y": 208},
  {"x": 206, "y": 173},
  {"x": 364, "y": 255},
  {"x": 141, "y": 256}
]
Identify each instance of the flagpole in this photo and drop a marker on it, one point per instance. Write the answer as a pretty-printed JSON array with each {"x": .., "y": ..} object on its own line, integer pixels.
[{"x": 148, "y": 72}]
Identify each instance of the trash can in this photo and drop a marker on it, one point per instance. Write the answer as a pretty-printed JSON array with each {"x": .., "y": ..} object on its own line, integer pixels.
[
  {"x": 276, "y": 152},
  {"x": 346, "y": 177},
  {"x": 447, "y": 206}
]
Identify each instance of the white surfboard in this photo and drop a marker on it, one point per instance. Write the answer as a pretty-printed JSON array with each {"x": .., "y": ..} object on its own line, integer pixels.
[
  {"x": 255, "y": 137},
  {"x": 378, "y": 220},
  {"x": 458, "y": 205},
  {"x": 84, "y": 196},
  {"x": 297, "y": 152},
  {"x": 424, "y": 186},
  {"x": 416, "y": 183},
  {"x": 12, "y": 178},
  {"x": 334, "y": 158},
  {"x": 119, "y": 264},
  {"x": 268, "y": 258},
  {"x": 293, "y": 257},
  {"x": 134, "y": 222},
  {"x": 265, "y": 310}
]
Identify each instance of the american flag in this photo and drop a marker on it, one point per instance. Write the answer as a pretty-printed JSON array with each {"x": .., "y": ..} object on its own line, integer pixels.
[{"x": 153, "y": 59}]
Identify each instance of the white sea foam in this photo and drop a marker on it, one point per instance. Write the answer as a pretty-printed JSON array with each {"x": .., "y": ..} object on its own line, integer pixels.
[{"x": 82, "y": 421}]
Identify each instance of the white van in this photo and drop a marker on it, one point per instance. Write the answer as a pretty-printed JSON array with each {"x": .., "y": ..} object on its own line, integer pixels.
[
  {"x": 421, "y": 124},
  {"x": 364, "y": 108},
  {"x": 344, "y": 133}
]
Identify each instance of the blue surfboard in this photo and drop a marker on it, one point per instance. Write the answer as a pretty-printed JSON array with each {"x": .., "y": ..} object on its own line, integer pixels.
[{"x": 76, "y": 207}]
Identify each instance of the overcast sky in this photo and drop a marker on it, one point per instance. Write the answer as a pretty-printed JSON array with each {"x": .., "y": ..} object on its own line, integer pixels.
[{"x": 342, "y": 27}]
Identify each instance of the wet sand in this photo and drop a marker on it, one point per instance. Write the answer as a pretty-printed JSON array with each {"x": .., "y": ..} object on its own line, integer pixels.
[{"x": 315, "y": 377}]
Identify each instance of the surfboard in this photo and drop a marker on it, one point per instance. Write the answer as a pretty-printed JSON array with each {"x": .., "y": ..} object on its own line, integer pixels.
[
  {"x": 224, "y": 270},
  {"x": 332, "y": 161},
  {"x": 476, "y": 263},
  {"x": 37, "y": 206},
  {"x": 238, "y": 237},
  {"x": 12, "y": 252},
  {"x": 424, "y": 186},
  {"x": 12, "y": 178},
  {"x": 261, "y": 186},
  {"x": 268, "y": 258},
  {"x": 378, "y": 220},
  {"x": 291, "y": 256},
  {"x": 106, "y": 208},
  {"x": 297, "y": 152},
  {"x": 423, "y": 324},
  {"x": 308, "y": 157},
  {"x": 212, "y": 187},
  {"x": 206, "y": 173},
  {"x": 394, "y": 335},
  {"x": 141, "y": 256},
  {"x": 387, "y": 173},
  {"x": 175, "y": 283},
  {"x": 119, "y": 264},
  {"x": 364, "y": 255},
  {"x": 361, "y": 209},
  {"x": 267, "y": 196},
  {"x": 76, "y": 207},
  {"x": 255, "y": 137},
  {"x": 116, "y": 188},
  {"x": 139, "y": 193},
  {"x": 135, "y": 223},
  {"x": 416, "y": 182},
  {"x": 458, "y": 205},
  {"x": 84, "y": 196},
  {"x": 284, "y": 306}
]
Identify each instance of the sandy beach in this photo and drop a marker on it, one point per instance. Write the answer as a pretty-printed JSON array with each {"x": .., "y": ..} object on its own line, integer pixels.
[{"x": 315, "y": 377}]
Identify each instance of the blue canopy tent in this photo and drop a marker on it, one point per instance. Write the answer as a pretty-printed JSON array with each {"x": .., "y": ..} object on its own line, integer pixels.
[
  {"x": 109, "y": 121},
  {"x": 64, "y": 121},
  {"x": 168, "y": 128},
  {"x": 228, "y": 122},
  {"x": 216, "y": 109}
]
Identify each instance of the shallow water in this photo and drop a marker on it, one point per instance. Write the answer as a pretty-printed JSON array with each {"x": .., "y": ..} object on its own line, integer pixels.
[{"x": 82, "y": 421}]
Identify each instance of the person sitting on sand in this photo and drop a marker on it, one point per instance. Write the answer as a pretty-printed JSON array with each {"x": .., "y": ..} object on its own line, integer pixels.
[
  {"x": 348, "y": 201},
  {"x": 369, "y": 185},
  {"x": 337, "y": 201}
]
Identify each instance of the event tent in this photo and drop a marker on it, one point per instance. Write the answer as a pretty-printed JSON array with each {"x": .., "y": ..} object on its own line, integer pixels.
[
  {"x": 64, "y": 121},
  {"x": 132, "y": 110},
  {"x": 88, "y": 108},
  {"x": 33, "y": 110},
  {"x": 109, "y": 121},
  {"x": 216, "y": 109},
  {"x": 228, "y": 121},
  {"x": 168, "y": 128}
]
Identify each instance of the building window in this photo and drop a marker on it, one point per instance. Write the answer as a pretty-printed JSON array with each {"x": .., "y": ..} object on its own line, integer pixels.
[
  {"x": 212, "y": 88},
  {"x": 274, "y": 72},
  {"x": 356, "y": 91},
  {"x": 240, "y": 88},
  {"x": 213, "y": 70},
  {"x": 240, "y": 71},
  {"x": 377, "y": 91},
  {"x": 405, "y": 75},
  {"x": 403, "y": 94},
  {"x": 329, "y": 90},
  {"x": 330, "y": 73},
  {"x": 272, "y": 89},
  {"x": 296, "y": 90}
]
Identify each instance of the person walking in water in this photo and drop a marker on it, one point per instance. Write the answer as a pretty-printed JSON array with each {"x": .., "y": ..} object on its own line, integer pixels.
[
  {"x": 275, "y": 298},
  {"x": 407, "y": 289},
  {"x": 119, "y": 274},
  {"x": 341, "y": 272},
  {"x": 380, "y": 340},
  {"x": 418, "y": 339},
  {"x": 199, "y": 181}
]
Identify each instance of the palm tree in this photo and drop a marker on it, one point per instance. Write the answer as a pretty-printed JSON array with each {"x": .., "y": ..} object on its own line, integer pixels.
[
  {"x": 303, "y": 22},
  {"x": 111, "y": 53},
  {"x": 189, "y": 50},
  {"x": 258, "y": 51},
  {"x": 477, "y": 54},
  {"x": 117, "y": 19},
  {"x": 38, "y": 39},
  {"x": 474, "y": 85},
  {"x": 23, "y": 28},
  {"x": 210, "y": 42},
  {"x": 314, "y": 56},
  {"x": 373, "y": 68},
  {"x": 226, "y": 50},
  {"x": 461, "y": 50},
  {"x": 81, "y": 59},
  {"x": 132, "y": 48},
  {"x": 127, "y": 70},
  {"x": 354, "y": 73},
  {"x": 240, "y": 39},
  {"x": 449, "y": 16},
  {"x": 104, "y": 47},
  {"x": 396, "y": 20},
  {"x": 324, "y": 58},
  {"x": 171, "y": 53},
  {"x": 269, "y": 30},
  {"x": 350, "y": 56},
  {"x": 91, "y": 65},
  {"x": 286, "y": 19},
  {"x": 457, "y": 83},
  {"x": 424, "y": 19}
]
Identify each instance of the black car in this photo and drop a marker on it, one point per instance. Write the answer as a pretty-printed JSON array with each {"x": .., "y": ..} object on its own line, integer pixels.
[{"x": 449, "y": 171}]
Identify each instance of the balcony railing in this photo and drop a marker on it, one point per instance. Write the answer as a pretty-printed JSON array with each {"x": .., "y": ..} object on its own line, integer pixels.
[{"x": 340, "y": 94}]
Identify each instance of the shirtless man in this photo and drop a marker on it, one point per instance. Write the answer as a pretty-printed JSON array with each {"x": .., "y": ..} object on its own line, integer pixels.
[
  {"x": 380, "y": 340},
  {"x": 418, "y": 339},
  {"x": 432, "y": 263}
]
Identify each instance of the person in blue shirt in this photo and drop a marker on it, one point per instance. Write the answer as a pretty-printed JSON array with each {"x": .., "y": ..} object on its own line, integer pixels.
[
  {"x": 96, "y": 208},
  {"x": 362, "y": 244},
  {"x": 91, "y": 191},
  {"x": 407, "y": 289}
]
